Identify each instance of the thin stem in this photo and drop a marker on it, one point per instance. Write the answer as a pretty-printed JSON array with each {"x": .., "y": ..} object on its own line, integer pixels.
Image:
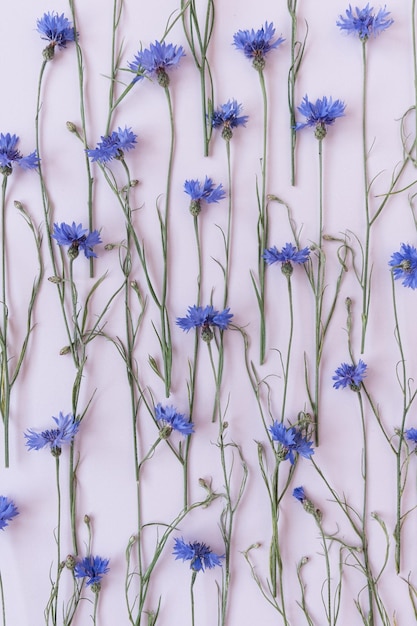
[
  {"x": 3, "y": 606},
  {"x": 263, "y": 219},
  {"x": 5, "y": 381},
  {"x": 287, "y": 364},
  {"x": 229, "y": 226},
  {"x": 365, "y": 272},
  {"x": 193, "y": 577},
  {"x": 319, "y": 288}
]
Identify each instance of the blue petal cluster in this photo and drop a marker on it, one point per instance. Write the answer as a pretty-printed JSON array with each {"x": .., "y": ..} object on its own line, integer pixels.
[
  {"x": 299, "y": 494},
  {"x": 363, "y": 22},
  {"x": 174, "y": 420},
  {"x": 93, "y": 568},
  {"x": 404, "y": 265},
  {"x": 113, "y": 146},
  {"x": 205, "y": 318},
  {"x": 67, "y": 428},
  {"x": 227, "y": 116},
  {"x": 256, "y": 44},
  {"x": 155, "y": 61},
  {"x": 291, "y": 442},
  {"x": 288, "y": 254},
  {"x": 320, "y": 114},
  {"x": 8, "y": 510},
  {"x": 411, "y": 434},
  {"x": 56, "y": 29},
  {"x": 77, "y": 238},
  {"x": 10, "y": 155},
  {"x": 204, "y": 191},
  {"x": 200, "y": 555},
  {"x": 348, "y": 375}
]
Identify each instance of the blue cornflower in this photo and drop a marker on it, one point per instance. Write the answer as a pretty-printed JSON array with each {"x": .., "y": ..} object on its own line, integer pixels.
[
  {"x": 172, "y": 421},
  {"x": 205, "y": 319},
  {"x": 8, "y": 510},
  {"x": 404, "y": 265},
  {"x": 9, "y": 155},
  {"x": 202, "y": 191},
  {"x": 67, "y": 428},
  {"x": 350, "y": 375},
  {"x": 364, "y": 23},
  {"x": 57, "y": 30},
  {"x": 320, "y": 114},
  {"x": 287, "y": 256},
  {"x": 227, "y": 116},
  {"x": 113, "y": 146},
  {"x": 156, "y": 60},
  {"x": 411, "y": 434},
  {"x": 200, "y": 555},
  {"x": 93, "y": 568},
  {"x": 76, "y": 238},
  {"x": 299, "y": 494},
  {"x": 291, "y": 441},
  {"x": 256, "y": 44}
]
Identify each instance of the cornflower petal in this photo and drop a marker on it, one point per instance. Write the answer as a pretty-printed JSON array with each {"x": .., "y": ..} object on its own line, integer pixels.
[
  {"x": 77, "y": 238},
  {"x": 320, "y": 114},
  {"x": 200, "y": 555},
  {"x": 10, "y": 155},
  {"x": 112, "y": 146},
  {"x": 55, "y": 438},
  {"x": 93, "y": 568},
  {"x": 174, "y": 420},
  {"x": 404, "y": 265},
  {"x": 8, "y": 510},
  {"x": 349, "y": 375},
  {"x": 364, "y": 22},
  {"x": 256, "y": 44}
]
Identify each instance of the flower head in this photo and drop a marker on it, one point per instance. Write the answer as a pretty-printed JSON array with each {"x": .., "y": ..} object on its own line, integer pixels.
[
  {"x": 10, "y": 155},
  {"x": 299, "y": 494},
  {"x": 67, "y": 428},
  {"x": 202, "y": 191},
  {"x": 256, "y": 44},
  {"x": 200, "y": 555},
  {"x": 77, "y": 238},
  {"x": 113, "y": 146},
  {"x": 364, "y": 23},
  {"x": 350, "y": 376},
  {"x": 287, "y": 256},
  {"x": 290, "y": 442},
  {"x": 411, "y": 434},
  {"x": 172, "y": 420},
  {"x": 93, "y": 568},
  {"x": 155, "y": 61},
  {"x": 57, "y": 30},
  {"x": 227, "y": 116},
  {"x": 205, "y": 319},
  {"x": 404, "y": 265},
  {"x": 8, "y": 510},
  {"x": 320, "y": 114}
]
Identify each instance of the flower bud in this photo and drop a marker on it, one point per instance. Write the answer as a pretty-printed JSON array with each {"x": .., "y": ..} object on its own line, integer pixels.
[{"x": 71, "y": 127}]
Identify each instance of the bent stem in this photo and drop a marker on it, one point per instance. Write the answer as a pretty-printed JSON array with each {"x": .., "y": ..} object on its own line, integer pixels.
[{"x": 193, "y": 577}]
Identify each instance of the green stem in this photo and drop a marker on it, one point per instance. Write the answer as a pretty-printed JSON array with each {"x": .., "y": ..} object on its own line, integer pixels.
[
  {"x": 263, "y": 219},
  {"x": 365, "y": 272},
  {"x": 193, "y": 577},
  {"x": 319, "y": 337},
  {"x": 5, "y": 380},
  {"x": 413, "y": 31},
  {"x": 3, "y": 606},
  {"x": 229, "y": 226},
  {"x": 287, "y": 364}
]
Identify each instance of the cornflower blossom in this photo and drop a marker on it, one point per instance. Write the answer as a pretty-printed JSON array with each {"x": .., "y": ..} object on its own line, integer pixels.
[
  {"x": 200, "y": 555},
  {"x": 155, "y": 61},
  {"x": 8, "y": 510},
  {"x": 10, "y": 155},
  {"x": 411, "y": 435},
  {"x": 350, "y": 376},
  {"x": 299, "y": 494},
  {"x": 256, "y": 44},
  {"x": 228, "y": 116},
  {"x": 320, "y": 114},
  {"x": 290, "y": 442},
  {"x": 363, "y": 22},
  {"x": 199, "y": 192},
  {"x": 55, "y": 438},
  {"x": 287, "y": 256},
  {"x": 172, "y": 420},
  {"x": 205, "y": 318},
  {"x": 404, "y": 265},
  {"x": 113, "y": 146},
  {"x": 93, "y": 568},
  {"x": 56, "y": 29},
  {"x": 77, "y": 238}
]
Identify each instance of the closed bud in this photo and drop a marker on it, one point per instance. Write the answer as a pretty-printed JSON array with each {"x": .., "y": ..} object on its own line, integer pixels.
[
  {"x": 71, "y": 127},
  {"x": 18, "y": 205}
]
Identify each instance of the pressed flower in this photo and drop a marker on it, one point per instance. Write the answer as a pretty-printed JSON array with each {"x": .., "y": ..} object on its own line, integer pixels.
[
  {"x": 93, "y": 568},
  {"x": 228, "y": 116},
  {"x": 291, "y": 442},
  {"x": 173, "y": 420},
  {"x": 113, "y": 146},
  {"x": 404, "y": 265},
  {"x": 77, "y": 238},
  {"x": 320, "y": 114},
  {"x": 205, "y": 318},
  {"x": 256, "y": 44},
  {"x": 10, "y": 155},
  {"x": 200, "y": 555},
  {"x": 411, "y": 434},
  {"x": 287, "y": 256},
  {"x": 364, "y": 22},
  {"x": 199, "y": 191},
  {"x": 299, "y": 494},
  {"x": 56, "y": 29},
  {"x": 350, "y": 376},
  {"x": 155, "y": 61},
  {"x": 55, "y": 438},
  {"x": 8, "y": 510}
]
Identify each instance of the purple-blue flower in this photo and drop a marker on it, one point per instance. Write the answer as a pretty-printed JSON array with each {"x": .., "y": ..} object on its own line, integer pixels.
[
  {"x": 199, "y": 191},
  {"x": 113, "y": 146},
  {"x": 172, "y": 420},
  {"x": 8, "y": 510},
  {"x": 10, "y": 155},
  {"x": 291, "y": 442},
  {"x": 320, "y": 114},
  {"x": 404, "y": 265},
  {"x": 77, "y": 238},
  {"x": 205, "y": 318},
  {"x": 363, "y": 22},
  {"x": 228, "y": 116},
  {"x": 200, "y": 555},
  {"x": 93, "y": 568},
  {"x": 55, "y": 438},
  {"x": 256, "y": 44},
  {"x": 299, "y": 494},
  {"x": 156, "y": 60},
  {"x": 348, "y": 375},
  {"x": 287, "y": 256},
  {"x": 411, "y": 435},
  {"x": 56, "y": 29}
]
